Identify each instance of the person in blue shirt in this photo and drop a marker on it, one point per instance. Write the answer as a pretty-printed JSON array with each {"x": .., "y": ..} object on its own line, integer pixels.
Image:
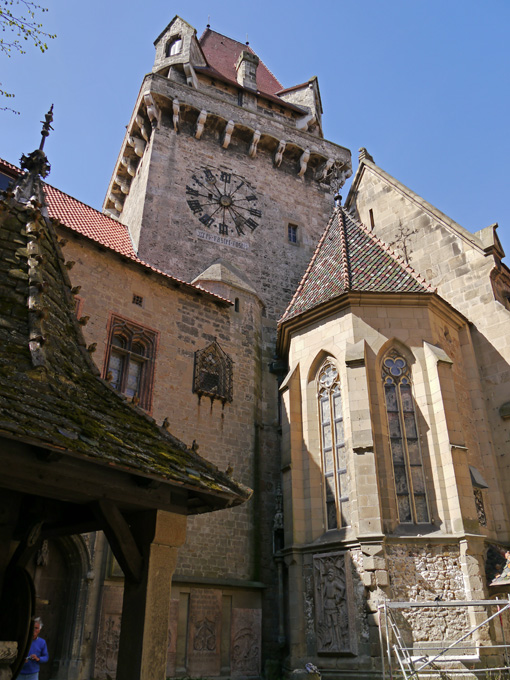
[{"x": 38, "y": 654}]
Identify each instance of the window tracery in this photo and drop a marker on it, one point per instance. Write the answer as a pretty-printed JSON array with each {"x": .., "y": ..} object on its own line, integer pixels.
[
  {"x": 333, "y": 451},
  {"x": 404, "y": 441},
  {"x": 130, "y": 360},
  {"x": 213, "y": 373}
]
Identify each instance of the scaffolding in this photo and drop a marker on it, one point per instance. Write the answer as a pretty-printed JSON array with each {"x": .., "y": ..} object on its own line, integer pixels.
[{"x": 481, "y": 651}]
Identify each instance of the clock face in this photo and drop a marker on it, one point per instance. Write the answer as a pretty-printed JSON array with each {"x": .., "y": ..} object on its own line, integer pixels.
[{"x": 223, "y": 202}]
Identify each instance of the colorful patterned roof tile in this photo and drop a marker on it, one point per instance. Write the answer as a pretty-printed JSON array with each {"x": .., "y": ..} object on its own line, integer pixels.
[{"x": 350, "y": 258}]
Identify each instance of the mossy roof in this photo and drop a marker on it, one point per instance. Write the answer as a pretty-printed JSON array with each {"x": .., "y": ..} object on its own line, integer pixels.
[{"x": 51, "y": 394}]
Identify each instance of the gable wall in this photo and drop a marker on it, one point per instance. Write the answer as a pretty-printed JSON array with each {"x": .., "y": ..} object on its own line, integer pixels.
[{"x": 453, "y": 261}]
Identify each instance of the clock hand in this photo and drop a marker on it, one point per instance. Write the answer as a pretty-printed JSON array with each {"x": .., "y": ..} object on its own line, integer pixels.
[{"x": 241, "y": 184}]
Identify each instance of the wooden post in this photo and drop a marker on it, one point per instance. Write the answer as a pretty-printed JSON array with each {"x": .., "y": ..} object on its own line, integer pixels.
[{"x": 146, "y": 606}]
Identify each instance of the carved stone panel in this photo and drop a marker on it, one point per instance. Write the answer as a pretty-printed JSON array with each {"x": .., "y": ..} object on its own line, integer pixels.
[
  {"x": 334, "y": 621},
  {"x": 204, "y": 637},
  {"x": 109, "y": 633},
  {"x": 172, "y": 638},
  {"x": 245, "y": 642}
]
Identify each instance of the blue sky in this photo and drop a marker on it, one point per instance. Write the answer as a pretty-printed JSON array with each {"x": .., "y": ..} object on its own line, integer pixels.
[{"x": 422, "y": 84}]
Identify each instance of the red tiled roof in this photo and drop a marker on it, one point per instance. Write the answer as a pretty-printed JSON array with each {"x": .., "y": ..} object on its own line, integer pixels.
[
  {"x": 95, "y": 225},
  {"x": 89, "y": 222},
  {"x": 350, "y": 258},
  {"x": 222, "y": 54}
]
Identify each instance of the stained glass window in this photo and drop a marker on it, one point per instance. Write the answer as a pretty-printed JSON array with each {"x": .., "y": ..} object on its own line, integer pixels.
[
  {"x": 404, "y": 441},
  {"x": 334, "y": 459}
]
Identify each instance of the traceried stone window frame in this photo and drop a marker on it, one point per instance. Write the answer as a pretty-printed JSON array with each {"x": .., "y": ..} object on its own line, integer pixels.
[
  {"x": 212, "y": 375},
  {"x": 410, "y": 487},
  {"x": 333, "y": 449},
  {"x": 130, "y": 360}
]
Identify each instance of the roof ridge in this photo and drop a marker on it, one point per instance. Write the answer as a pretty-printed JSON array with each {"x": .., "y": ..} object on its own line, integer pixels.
[
  {"x": 388, "y": 249},
  {"x": 343, "y": 250},
  {"x": 310, "y": 265}
]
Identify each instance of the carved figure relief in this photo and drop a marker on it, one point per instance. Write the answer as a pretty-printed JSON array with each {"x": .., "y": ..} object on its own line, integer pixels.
[
  {"x": 109, "y": 647},
  {"x": 245, "y": 652},
  {"x": 332, "y": 586}
]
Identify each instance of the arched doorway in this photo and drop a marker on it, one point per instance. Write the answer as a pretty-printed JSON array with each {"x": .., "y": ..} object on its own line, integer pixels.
[{"x": 59, "y": 570}]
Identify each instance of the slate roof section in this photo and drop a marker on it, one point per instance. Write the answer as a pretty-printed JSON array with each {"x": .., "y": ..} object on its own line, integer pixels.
[
  {"x": 96, "y": 226},
  {"x": 51, "y": 394},
  {"x": 222, "y": 54},
  {"x": 350, "y": 258}
]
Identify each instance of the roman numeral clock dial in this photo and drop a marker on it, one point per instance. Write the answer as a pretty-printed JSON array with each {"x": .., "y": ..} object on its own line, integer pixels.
[{"x": 223, "y": 202}]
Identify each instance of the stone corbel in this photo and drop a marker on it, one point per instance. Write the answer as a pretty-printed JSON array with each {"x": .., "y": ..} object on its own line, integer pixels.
[
  {"x": 343, "y": 175},
  {"x": 116, "y": 200},
  {"x": 129, "y": 165},
  {"x": 303, "y": 162},
  {"x": 202, "y": 117},
  {"x": 112, "y": 213},
  {"x": 176, "y": 108},
  {"x": 305, "y": 122},
  {"x": 153, "y": 110},
  {"x": 137, "y": 143},
  {"x": 123, "y": 184},
  {"x": 140, "y": 121},
  {"x": 278, "y": 157},
  {"x": 228, "y": 134},
  {"x": 324, "y": 170},
  {"x": 254, "y": 142},
  {"x": 191, "y": 76}
]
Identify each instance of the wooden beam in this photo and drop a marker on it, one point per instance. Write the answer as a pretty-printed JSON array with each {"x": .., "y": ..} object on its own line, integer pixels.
[{"x": 120, "y": 538}]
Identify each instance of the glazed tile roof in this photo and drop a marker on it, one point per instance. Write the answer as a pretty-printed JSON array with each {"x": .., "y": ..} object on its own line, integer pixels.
[
  {"x": 222, "y": 54},
  {"x": 350, "y": 258},
  {"x": 97, "y": 226},
  {"x": 51, "y": 395}
]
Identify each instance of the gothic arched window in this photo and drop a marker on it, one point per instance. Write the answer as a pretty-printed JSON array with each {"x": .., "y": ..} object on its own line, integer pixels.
[
  {"x": 334, "y": 457},
  {"x": 213, "y": 373},
  {"x": 130, "y": 360},
  {"x": 404, "y": 440}
]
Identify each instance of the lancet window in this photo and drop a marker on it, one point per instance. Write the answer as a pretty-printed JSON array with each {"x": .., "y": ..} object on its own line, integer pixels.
[
  {"x": 334, "y": 457},
  {"x": 404, "y": 440}
]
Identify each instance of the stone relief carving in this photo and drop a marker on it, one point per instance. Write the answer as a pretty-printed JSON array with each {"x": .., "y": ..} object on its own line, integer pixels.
[
  {"x": 109, "y": 646},
  {"x": 204, "y": 639},
  {"x": 245, "y": 652},
  {"x": 331, "y": 603}
]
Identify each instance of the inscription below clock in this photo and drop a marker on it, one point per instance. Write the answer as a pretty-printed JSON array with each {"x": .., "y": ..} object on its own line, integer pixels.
[{"x": 223, "y": 202}]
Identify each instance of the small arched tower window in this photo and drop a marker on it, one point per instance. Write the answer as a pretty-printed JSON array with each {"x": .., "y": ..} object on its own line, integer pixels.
[
  {"x": 174, "y": 46},
  {"x": 213, "y": 373},
  {"x": 404, "y": 440},
  {"x": 334, "y": 456}
]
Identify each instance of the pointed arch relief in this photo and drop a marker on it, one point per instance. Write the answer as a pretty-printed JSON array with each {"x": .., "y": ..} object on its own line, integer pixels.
[
  {"x": 321, "y": 356},
  {"x": 406, "y": 455},
  {"x": 212, "y": 375}
]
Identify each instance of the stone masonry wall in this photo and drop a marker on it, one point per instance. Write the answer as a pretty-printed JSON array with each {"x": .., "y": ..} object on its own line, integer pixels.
[
  {"x": 219, "y": 543},
  {"x": 424, "y": 572}
]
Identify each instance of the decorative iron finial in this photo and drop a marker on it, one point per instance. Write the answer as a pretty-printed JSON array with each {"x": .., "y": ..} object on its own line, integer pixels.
[
  {"x": 247, "y": 41},
  {"x": 208, "y": 21},
  {"x": 46, "y": 127}
]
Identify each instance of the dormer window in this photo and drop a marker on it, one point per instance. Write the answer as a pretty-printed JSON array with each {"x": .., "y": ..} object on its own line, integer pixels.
[{"x": 174, "y": 46}]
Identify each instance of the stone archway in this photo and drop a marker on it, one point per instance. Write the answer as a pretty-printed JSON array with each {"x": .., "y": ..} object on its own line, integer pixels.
[{"x": 59, "y": 569}]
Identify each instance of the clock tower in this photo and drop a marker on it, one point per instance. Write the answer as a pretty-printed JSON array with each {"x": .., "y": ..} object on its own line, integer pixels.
[
  {"x": 220, "y": 161},
  {"x": 224, "y": 179}
]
